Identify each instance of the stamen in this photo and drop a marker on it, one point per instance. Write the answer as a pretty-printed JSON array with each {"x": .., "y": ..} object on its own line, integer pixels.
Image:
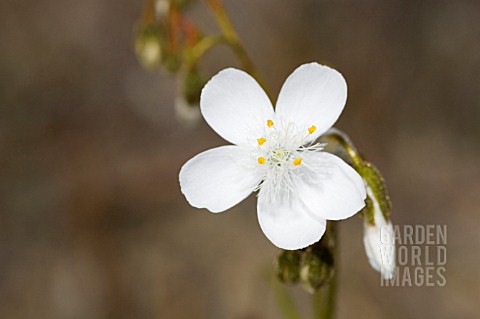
[
  {"x": 312, "y": 129},
  {"x": 261, "y": 140},
  {"x": 269, "y": 123},
  {"x": 297, "y": 161},
  {"x": 261, "y": 160}
]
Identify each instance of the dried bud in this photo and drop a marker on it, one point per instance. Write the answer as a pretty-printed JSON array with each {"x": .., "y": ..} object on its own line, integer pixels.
[
  {"x": 287, "y": 266},
  {"x": 317, "y": 268}
]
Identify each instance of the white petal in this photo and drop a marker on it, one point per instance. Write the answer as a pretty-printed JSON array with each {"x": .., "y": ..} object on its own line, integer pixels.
[
  {"x": 329, "y": 187},
  {"x": 288, "y": 224},
  {"x": 235, "y": 106},
  {"x": 218, "y": 179},
  {"x": 313, "y": 94},
  {"x": 379, "y": 242},
  {"x": 380, "y": 251}
]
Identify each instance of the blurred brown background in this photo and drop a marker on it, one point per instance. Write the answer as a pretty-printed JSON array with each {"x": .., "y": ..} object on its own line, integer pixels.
[{"x": 92, "y": 222}]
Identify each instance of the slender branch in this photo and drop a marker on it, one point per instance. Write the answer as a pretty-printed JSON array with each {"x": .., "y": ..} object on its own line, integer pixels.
[
  {"x": 341, "y": 138},
  {"x": 201, "y": 47},
  {"x": 232, "y": 38}
]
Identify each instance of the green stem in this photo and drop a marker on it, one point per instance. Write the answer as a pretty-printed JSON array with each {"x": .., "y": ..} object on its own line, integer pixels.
[
  {"x": 198, "y": 50},
  {"x": 232, "y": 38},
  {"x": 349, "y": 148},
  {"x": 324, "y": 299},
  {"x": 285, "y": 300},
  {"x": 370, "y": 174}
]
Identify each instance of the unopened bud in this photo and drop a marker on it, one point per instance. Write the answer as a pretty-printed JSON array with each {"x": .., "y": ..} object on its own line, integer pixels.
[
  {"x": 161, "y": 8},
  {"x": 187, "y": 103},
  {"x": 287, "y": 266},
  {"x": 316, "y": 268},
  {"x": 192, "y": 86},
  {"x": 186, "y": 113},
  {"x": 379, "y": 239},
  {"x": 171, "y": 61},
  {"x": 148, "y": 46}
]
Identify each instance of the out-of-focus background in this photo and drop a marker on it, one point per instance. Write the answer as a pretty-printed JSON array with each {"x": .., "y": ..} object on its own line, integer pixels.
[{"x": 92, "y": 221}]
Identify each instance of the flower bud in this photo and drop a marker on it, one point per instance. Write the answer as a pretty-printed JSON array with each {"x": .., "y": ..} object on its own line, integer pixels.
[
  {"x": 187, "y": 102},
  {"x": 148, "y": 46},
  {"x": 192, "y": 86},
  {"x": 379, "y": 238},
  {"x": 317, "y": 268},
  {"x": 287, "y": 266},
  {"x": 171, "y": 61},
  {"x": 186, "y": 113},
  {"x": 161, "y": 8}
]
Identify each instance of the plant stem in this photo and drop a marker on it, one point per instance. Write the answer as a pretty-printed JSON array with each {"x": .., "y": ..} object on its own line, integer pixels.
[
  {"x": 232, "y": 38},
  {"x": 198, "y": 50},
  {"x": 285, "y": 300},
  {"x": 324, "y": 299},
  {"x": 342, "y": 139}
]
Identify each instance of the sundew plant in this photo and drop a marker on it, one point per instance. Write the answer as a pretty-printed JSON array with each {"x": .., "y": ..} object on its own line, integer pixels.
[{"x": 307, "y": 175}]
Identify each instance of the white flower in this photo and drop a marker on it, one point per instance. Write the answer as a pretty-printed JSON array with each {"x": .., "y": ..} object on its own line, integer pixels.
[
  {"x": 379, "y": 241},
  {"x": 300, "y": 187}
]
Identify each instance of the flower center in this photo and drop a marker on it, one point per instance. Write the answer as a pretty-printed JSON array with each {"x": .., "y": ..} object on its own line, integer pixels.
[{"x": 279, "y": 153}]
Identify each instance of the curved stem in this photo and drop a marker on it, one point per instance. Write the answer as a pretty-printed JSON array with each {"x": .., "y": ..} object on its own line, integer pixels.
[
  {"x": 232, "y": 38},
  {"x": 342, "y": 139},
  {"x": 198, "y": 50}
]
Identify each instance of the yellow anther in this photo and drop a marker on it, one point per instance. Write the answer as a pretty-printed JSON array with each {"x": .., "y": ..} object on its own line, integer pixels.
[
  {"x": 297, "y": 161},
  {"x": 312, "y": 129},
  {"x": 261, "y": 160},
  {"x": 269, "y": 123},
  {"x": 261, "y": 140}
]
